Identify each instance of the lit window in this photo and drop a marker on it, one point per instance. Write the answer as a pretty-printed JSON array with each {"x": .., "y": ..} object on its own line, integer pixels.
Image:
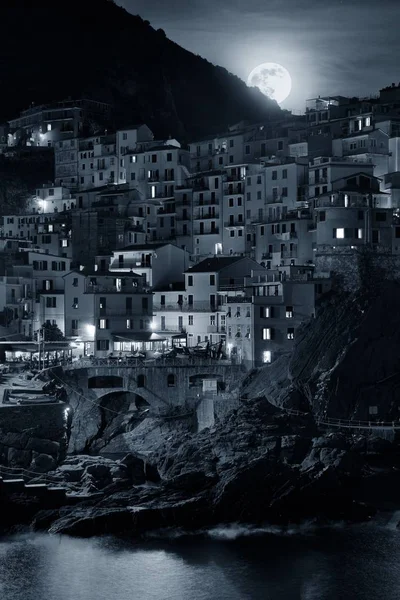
[
  {"x": 129, "y": 323},
  {"x": 289, "y": 312},
  {"x": 290, "y": 333},
  {"x": 346, "y": 200},
  {"x": 153, "y": 191},
  {"x": 48, "y": 126},
  {"x": 64, "y": 243},
  {"x": 102, "y": 324},
  {"x": 266, "y": 333},
  {"x": 267, "y": 356},
  {"x": 359, "y": 234},
  {"x": 50, "y": 228},
  {"x": 339, "y": 233},
  {"x": 367, "y": 121}
]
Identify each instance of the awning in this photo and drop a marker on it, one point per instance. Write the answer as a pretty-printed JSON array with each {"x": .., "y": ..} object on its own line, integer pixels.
[
  {"x": 34, "y": 347},
  {"x": 140, "y": 336}
]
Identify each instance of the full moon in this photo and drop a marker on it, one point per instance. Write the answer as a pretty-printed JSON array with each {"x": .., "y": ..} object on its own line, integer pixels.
[{"x": 272, "y": 80}]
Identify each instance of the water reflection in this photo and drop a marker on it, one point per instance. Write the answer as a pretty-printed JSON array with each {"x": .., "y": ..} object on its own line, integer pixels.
[{"x": 346, "y": 564}]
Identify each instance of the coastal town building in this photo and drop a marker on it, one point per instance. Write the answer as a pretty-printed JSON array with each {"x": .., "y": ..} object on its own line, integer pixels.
[{"x": 139, "y": 244}]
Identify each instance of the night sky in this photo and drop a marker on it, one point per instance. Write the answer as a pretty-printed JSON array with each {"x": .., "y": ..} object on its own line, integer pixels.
[{"x": 329, "y": 46}]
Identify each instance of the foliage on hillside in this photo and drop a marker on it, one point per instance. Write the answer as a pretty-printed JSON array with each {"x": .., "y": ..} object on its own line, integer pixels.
[{"x": 100, "y": 51}]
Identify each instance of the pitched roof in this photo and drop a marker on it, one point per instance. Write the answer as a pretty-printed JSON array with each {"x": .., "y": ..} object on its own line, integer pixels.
[{"x": 214, "y": 264}]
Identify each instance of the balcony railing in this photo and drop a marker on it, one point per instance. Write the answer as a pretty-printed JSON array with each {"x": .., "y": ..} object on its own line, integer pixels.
[
  {"x": 112, "y": 289},
  {"x": 211, "y": 232},
  {"x": 234, "y": 223},
  {"x": 196, "y": 306}
]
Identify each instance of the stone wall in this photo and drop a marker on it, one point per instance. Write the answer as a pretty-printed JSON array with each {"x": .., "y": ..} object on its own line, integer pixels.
[
  {"x": 355, "y": 267},
  {"x": 103, "y": 414},
  {"x": 34, "y": 437}
]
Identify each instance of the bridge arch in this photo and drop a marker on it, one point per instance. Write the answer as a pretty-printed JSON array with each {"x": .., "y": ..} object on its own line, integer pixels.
[{"x": 105, "y": 382}]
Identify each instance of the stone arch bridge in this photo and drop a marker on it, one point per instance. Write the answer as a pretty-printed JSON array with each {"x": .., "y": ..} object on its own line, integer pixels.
[{"x": 163, "y": 386}]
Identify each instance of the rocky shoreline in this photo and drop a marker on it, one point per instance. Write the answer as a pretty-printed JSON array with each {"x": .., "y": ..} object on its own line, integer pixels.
[{"x": 259, "y": 465}]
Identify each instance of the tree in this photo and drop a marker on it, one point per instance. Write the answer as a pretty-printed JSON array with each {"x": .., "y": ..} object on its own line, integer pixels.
[{"x": 52, "y": 333}]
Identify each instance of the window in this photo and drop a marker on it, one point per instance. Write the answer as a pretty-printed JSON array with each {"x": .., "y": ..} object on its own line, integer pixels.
[
  {"x": 290, "y": 333},
  {"x": 284, "y": 174},
  {"x": 274, "y": 175},
  {"x": 154, "y": 158},
  {"x": 266, "y": 356},
  {"x": 129, "y": 323},
  {"x": 190, "y": 320},
  {"x": 124, "y": 136},
  {"x": 212, "y": 279},
  {"x": 231, "y": 143},
  {"x": 48, "y": 126},
  {"x": 64, "y": 243},
  {"x": 212, "y": 320},
  {"x": 380, "y": 216},
  {"x": 267, "y": 333},
  {"x": 247, "y": 149},
  {"x": 322, "y": 215},
  {"x": 232, "y": 233},
  {"x": 230, "y": 201},
  {"x": 359, "y": 234},
  {"x": 51, "y": 302},
  {"x": 259, "y": 179},
  {"x": 75, "y": 303},
  {"x": 162, "y": 323},
  {"x": 171, "y": 379},
  {"x": 289, "y": 312},
  {"x": 284, "y": 192},
  {"x": 103, "y": 345},
  {"x": 102, "y": 323},
  {"x": 190, "y": 280},
  {"x": 338, "y": 233}
]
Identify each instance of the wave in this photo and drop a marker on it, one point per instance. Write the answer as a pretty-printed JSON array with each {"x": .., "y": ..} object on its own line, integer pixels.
[{"x": 235, "y": 531}]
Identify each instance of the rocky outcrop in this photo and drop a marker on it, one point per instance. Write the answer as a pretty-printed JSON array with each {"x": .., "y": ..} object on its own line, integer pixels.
[
  {"x": 33, "y": 437},
  {"x": 344, "y": 362},
  {"x": 259, "y": 465}
]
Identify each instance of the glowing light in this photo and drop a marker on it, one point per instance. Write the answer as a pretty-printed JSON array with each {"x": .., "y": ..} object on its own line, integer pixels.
[
  {"x": 153, "y": 326},
  {"x": 90, "y": 330},
  {"x": 272, "y": 79}
]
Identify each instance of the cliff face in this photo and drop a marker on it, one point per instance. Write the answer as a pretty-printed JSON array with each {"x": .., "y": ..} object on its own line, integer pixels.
[
  {"x": 100, "y": 51},
  {"x": 344, "y": 361}
]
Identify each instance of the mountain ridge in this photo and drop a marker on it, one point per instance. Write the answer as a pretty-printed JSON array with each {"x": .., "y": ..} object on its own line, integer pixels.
[{"x": 110, "y": 55}]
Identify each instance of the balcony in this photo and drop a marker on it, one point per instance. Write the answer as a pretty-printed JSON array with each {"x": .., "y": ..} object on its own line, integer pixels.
[
  {"x": 112, "y": 289},
  {"x": 201, "y": 217},
  {"x": 167, "y": 210},
  {"x": 205, "y": 202},
  {"x": 290, "y": 216},
  {"x": 233, "y": 190},
  {"x": 289, "y": 254},
  {"x": 235, "y": 223},
  {"x": 196, "y": 306},
  {"x": 123, "y": 312},
  {"x": 212, "y": 232}
]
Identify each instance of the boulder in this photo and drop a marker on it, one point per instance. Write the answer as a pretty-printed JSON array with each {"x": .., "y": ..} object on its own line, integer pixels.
[
  {"x": 135, "y": 467},
  {"x": 18, "y": 458},
  {"x": 42, "y": 462},
  {"x": 43, "y": 446},
  {"x": 14, "y": 439},
  {"x": 191, "y": 481}
]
